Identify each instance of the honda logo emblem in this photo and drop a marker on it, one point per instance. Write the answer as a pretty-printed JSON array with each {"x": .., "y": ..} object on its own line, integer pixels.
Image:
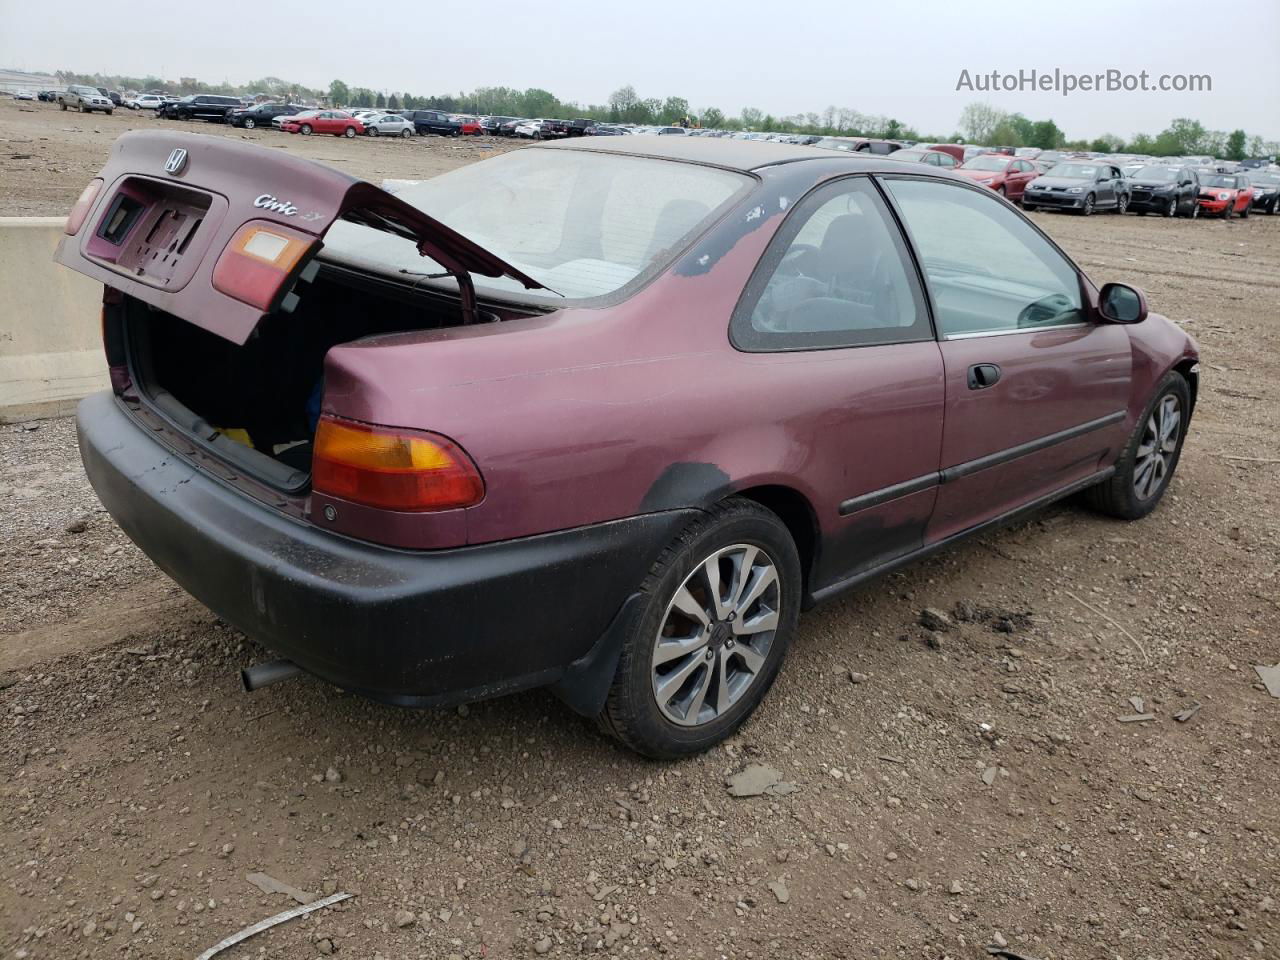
[{"x": 177, "y": 160}]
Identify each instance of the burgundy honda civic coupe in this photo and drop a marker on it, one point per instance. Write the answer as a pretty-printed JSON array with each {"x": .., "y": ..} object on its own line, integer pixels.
[{"x": 602, "y": 416}]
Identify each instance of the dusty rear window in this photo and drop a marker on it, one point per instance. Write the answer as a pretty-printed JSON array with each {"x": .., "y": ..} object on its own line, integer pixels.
[{"x": 582, "y": 224}]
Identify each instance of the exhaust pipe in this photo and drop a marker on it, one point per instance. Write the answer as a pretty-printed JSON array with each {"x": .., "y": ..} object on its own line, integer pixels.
[{"x": 264, "y": 674}]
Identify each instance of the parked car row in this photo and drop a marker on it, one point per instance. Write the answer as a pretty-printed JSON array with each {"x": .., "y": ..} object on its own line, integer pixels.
[{"x": 1085, "y": 185}]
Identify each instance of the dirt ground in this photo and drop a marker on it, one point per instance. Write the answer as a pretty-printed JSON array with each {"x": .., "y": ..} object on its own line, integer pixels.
[{"x": 978, "y": 789}]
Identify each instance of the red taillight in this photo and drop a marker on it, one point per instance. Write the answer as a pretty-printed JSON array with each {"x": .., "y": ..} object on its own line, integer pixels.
[
  {"x": 391, "y": 468},
  {"x": 259, "y": 259},
  {"x": 75, "y": 219}
]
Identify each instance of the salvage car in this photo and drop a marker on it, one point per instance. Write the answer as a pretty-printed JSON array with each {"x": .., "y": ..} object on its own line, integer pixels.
[
  {"x": 1266, "y": 190},
  {"x": 440, "y": 446},
  {"x": 432, "y": 121},
  {"x": 339, "y": 123},
  {"x": 84, "y": 99},
  {"x": 1169, "y": 191},
  {"x": 1080, "y": 186},
  {"x": 1225, "y": 194},
  {"x": 935, "y": 158},
  {"x": 390, "y": 124},
  {"x": 262, "y": 114},
  {"x": 203, "y": 106},
  {"x": 1006, "y": 175}
]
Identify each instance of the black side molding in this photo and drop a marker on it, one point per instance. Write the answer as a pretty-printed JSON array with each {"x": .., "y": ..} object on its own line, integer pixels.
[
  {"x": 1031, "y": 446},
  {"x": 885, "y": 494},
  {"x": 951, "y": 474},
  {"x": 840, "y": 586}
]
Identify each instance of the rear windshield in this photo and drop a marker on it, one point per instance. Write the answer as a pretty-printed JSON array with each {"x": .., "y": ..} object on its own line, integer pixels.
[{"x": 582, "y": 224}]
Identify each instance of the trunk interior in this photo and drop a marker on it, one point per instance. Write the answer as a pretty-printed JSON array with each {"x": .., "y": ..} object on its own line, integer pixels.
[{"x": 257, "y": 405}]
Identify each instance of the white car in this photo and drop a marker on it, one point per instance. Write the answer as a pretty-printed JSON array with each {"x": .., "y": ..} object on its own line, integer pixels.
[
  {"x": 145, "y": 101},
  {"x": 376, "y": 124},
  {"x": 530, "y": 128},
  {"x": 24, "y": 95}
]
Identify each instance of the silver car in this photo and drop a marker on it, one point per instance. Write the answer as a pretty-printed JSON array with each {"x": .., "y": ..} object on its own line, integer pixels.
[{"x": 387, "y": 123}]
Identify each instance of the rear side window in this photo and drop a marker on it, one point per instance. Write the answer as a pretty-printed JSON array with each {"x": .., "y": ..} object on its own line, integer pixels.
[
  {"x": 989, "y": 271},
  {"x": 836, "y": 275}
]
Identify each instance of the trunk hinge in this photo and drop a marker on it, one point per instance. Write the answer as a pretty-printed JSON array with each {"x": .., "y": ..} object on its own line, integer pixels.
[{"x": 468, "y": 291}]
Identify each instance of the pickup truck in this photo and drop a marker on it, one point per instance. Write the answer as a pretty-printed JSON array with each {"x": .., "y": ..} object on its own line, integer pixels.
[{"x": 84, "y": 99}]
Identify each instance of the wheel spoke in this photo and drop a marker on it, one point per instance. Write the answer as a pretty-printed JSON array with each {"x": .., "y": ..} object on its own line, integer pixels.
[
  {"x": 765, "y": 620},
  {"x": 754, "y": 661},
  {"x": 711, "y": 573},
  {"x": 1145, "y": 449},
  {"x": 670, "y": 685},
  {"x": 673, "y": 649},
  {"x": 724, "y": 697},
  {"x": 743, "y": 566},
  {"x": 686, "y": 604},
  {"x": 699, "y": 694},
  {"x": 760, "y": 582}
]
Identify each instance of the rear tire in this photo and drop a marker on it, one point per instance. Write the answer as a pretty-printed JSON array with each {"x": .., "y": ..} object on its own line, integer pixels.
[
  {"x": 721, "y": 656},
  {"x": 1126, "y": 495},
  {"x": 1244, "y": 214}
]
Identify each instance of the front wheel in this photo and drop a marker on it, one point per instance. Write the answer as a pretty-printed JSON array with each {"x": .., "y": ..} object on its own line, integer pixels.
[
  {"x": 720, "y": 606},
  {"x": 305, "y": 129},
  {"x": 406, "y": 133},
  {"x": 1248, "y": 209},
  {"x": 1146, "y": 466},
  {"x": 1029, "y": 207},
  {"x": 249, "y": 123},
  {"x": 1172, "y": 209},
  {"x": 372, "y": 131},
  {"x": 1122, "y": 204},
  {"x": 349, "y": 132},
  {"x": 62, "y": 106},
  {"x": 1087, "y": 209}
]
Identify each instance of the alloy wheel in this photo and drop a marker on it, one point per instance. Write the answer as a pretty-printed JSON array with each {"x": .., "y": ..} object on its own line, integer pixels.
[
  {"x": 1088, "y": 205},
  {"x": 1157, "y": 448},
  {"x": 249, "y": 123},
  {"x": 1172, "y": 209},
  {"x": 715, "y": 636}
]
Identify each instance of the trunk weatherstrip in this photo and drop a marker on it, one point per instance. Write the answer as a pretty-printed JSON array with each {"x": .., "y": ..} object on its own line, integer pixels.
[{"x": 960, "y": 470}]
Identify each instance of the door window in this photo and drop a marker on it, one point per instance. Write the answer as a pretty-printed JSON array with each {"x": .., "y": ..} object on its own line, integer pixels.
[
  {"x": 989, "y": 271},
  {"x": 836, "y": 275}
]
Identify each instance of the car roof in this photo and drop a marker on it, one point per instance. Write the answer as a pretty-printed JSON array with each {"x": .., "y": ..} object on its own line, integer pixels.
[{"x": 741, "y": 155}]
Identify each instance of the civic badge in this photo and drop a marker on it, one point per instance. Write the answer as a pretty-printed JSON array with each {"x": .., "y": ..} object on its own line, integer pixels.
[{"x": 177, "y": 160}]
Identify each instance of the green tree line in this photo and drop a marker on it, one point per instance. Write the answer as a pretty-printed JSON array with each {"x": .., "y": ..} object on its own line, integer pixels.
[{"x": 979, "y": 123}]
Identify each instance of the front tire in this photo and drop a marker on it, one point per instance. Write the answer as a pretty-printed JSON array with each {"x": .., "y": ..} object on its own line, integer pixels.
[
  {"x": 406, "y": 133},
  {"x": 372, "y": 131},
  {"x": 305, "y": 129},
  {"x": 1122, "y": 204},
  {"x": 349, "y": 132},
  {"x": 1148, "y": 462},
  {"x": 1171, "y": 210},
  {"x": 250, "y": 123},
  {"x": 1087, "y": 209},
  {"x": 720, "y": 606}
]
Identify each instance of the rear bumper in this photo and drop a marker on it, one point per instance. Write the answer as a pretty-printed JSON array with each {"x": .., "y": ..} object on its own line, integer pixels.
[{"x": 413, "y": 628}]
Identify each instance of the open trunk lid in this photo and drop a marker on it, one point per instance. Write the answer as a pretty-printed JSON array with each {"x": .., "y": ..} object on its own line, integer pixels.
[{"x": 217, "y": 232}]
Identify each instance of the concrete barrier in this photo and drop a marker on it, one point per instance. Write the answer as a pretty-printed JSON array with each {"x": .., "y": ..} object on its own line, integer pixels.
[{"x": 50, "y": 332}]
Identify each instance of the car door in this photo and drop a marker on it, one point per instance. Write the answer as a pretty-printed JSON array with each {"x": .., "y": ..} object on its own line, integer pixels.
[
  {"x": 1036, "y": 388},
  {"x": 1020, "y": 177},
  {"x": 835, "y": 335}
]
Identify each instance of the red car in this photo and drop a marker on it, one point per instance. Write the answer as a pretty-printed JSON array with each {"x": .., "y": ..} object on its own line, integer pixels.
[
  {"x": 470, "y": 125},
  {"x": 615, "y": 453},
  {"x": 1225, "y": 194},
  {"x": 1007, "y": 176},
  {"x": 337, "y": 122}
]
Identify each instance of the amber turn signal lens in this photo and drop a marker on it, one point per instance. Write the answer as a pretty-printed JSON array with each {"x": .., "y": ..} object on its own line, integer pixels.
[
  {"x": 75, "y": 219},
  {"x": 259, "y": 259},
  {"x": 392, "y": 469}
]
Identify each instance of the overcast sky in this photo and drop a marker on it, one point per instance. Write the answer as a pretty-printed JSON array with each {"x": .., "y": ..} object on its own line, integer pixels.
[{"x": 900, "y": 59}]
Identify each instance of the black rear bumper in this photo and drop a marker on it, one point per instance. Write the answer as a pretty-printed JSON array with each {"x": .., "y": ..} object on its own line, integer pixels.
[{"x": 417, "y": 628}]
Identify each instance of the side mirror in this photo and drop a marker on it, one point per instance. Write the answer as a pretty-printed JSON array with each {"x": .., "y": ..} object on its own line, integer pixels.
[{"x": 1121, "y": 303}]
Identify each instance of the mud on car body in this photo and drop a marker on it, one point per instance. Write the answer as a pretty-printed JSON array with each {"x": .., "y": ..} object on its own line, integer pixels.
[{"x": 602, "y": 416}]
